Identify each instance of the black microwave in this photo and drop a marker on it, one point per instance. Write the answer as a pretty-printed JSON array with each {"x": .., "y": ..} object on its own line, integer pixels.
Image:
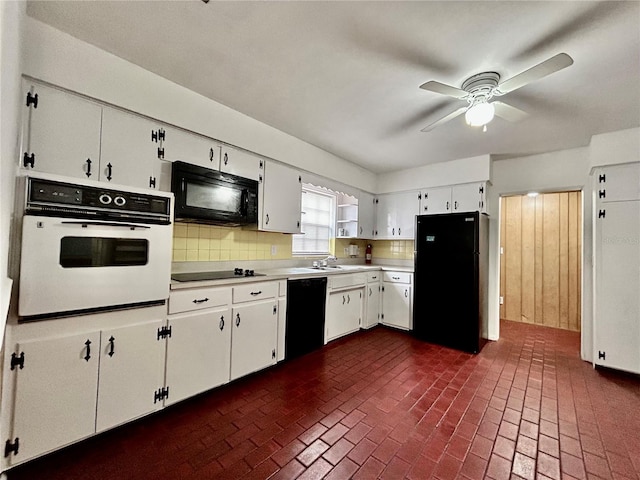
[{"x": 210, "y": 196}]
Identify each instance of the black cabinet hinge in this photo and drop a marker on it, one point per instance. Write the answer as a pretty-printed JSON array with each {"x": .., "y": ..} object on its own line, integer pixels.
[
  {"x": 602, "y": 178},
  {"x": 152, "y": 182},
  {"x": 273, "y": 353},
  {"x": 481, "y": 189},
  {"x": 298, "y": 224},
  {"x": 602, "y": 193},
  {"x": 160, "y": 394},
  {"x": 602, "y": 355},
  {"x": 259, "y": 178},
  {"x": 29, "y": 160},
  {"x": 602, "y": 213},
  {"x": 261, "y": 164},
  {"x": 157, "y": 135},
  {"x": 11, "y": 447},
  {"x": 382, "y": 316},
  {"x": 161, "y": 153},
  {"x": 17, "y": 361},
  {"x": 419, "y": 196},
  {"x": 32, "y": 100},
  {"x": 299, "y": 179},
  {"x": 164, "y": 332}
]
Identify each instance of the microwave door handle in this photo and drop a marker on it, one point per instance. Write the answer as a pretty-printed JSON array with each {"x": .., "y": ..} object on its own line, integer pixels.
[
  {"x": 106, "y": 224},
  {"x": 244, "y": 200}
]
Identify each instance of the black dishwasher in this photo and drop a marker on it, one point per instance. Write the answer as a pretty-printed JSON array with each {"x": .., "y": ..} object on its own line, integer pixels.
[{"x": 305, "y": 316}]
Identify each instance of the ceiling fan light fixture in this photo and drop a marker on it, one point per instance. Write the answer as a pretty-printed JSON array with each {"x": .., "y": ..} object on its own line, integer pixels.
[{"x": 479, "y": 114}]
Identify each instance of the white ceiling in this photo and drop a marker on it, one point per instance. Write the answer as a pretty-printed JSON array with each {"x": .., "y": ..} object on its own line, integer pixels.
[{"x": 345, "y": 76}]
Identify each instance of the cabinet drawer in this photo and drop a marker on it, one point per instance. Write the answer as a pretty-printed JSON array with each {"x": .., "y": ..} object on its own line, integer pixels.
[
  {"x": 374, "y": 276},
  {"x": 198, "y": 298},
  {"x": 254, "y": 291},
  {"x": 397, "y": 277},
  {"x": 346, "y": 280}
]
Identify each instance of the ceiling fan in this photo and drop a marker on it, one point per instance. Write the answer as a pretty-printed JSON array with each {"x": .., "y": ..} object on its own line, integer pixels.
[{"x": 479, "y": 89}]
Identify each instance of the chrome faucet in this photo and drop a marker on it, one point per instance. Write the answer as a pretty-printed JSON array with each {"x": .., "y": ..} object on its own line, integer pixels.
[{"x": 330, "y": 258}]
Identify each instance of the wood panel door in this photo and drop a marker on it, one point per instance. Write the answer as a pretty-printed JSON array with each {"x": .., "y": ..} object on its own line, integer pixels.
[{"x": 540, "y": 267}]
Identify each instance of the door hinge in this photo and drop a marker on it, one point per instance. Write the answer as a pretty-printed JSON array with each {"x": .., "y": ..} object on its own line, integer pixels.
[
  {"x": 602, "y": 355},
  {"x": 299, "y": 179},
  {"x": 161, "y": 153},
  {"x": 11, "y": 447},
  {"x": 273, "y": 353},
  {"x": 382, "y": 316},
  {"x": 17, "y": 361},
  {"x": 32, "y": 100},
  {"x": 419, "y": 196},
  {"x": 481, "y": 189},
  {"x": 152, "y": 182},
  {"x": 602, "y": 193},
  {"x": 602, "y": 178},
  {"x": 157, "y": 135},
  {"x": 275, "y": 309},
  {"x": 259, "y": 178},
  {"x": 261, "y": 164},
  {"x": 29, "y": 160},
  {"x": 164, "y": 332},
  {"x": 298, "y": 224},
  {"x": 160, "y": 394},
  {"x": 602, "y": 213}
]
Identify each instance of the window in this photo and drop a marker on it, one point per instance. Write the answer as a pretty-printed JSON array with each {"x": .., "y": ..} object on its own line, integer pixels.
[{"x": 318, "y": 207}]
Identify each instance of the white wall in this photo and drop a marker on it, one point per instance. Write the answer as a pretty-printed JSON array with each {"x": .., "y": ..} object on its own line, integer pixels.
[
  {"x": 613, "y": 148},
  {"x": 60, "y": 59},
  {"x": 556, "y": 171},
  {"x": 12, "y": 16},
  {"x": 464, "y": 170}
]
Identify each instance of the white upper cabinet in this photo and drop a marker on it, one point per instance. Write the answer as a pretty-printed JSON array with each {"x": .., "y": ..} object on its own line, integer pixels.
[
  {"x": 190, "y": 148},
  {"x": 618, "y": 183},
  {"x": 60, "y": 133},
  {"x": 281, "y": 194},
  {"x": 131, "y": 149},
  {"x": 366, "y": 215},
  {"x": 396, "y": 215},
  {"x": 466, "y": 197},
  {"x": 243, "y": 164}
]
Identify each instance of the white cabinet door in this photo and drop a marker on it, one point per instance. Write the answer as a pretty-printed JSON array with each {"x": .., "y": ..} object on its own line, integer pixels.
[
  {"x": 372, "y": 292},
  {"x": 396, "y": 305},
  {"x": 618, "y": 182},
  {"x": 241, "y": 163},
  {"x": 191, "y": 148},
  {"x": 435, "y": 200},
  {"x": 366, "y": 215},
  {"x": 344, "y": 313},
  {"x": 396, "y": 215},
  {"x": 617, "y": 329},
  {"x": 129, "y": 154},
  {"x": 131, "y": 368},
  {"x": 55, "y": 393},
  {"x": 62, "y": 133},
  {"x": 198, "y": 352},
  {"x": 385, "y": 217},
  {"x": 254, "y": 337},
  {"x": 281, "y": 199},
  {"x": 468, "y": 197}
]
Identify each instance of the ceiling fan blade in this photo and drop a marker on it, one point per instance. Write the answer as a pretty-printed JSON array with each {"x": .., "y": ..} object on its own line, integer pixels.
[
  {"x": 443, "y": 89},
  {"x": 508, "y": 112},
  {"x": 451, "y": 116},
  {"x": 552, "y": 65}
]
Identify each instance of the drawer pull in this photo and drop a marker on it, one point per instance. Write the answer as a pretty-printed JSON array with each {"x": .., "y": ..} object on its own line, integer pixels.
[
  {"x": 201, "y": 300},
  {"x": 396, "y": 278},
  {"x": 259, "y": 292}
]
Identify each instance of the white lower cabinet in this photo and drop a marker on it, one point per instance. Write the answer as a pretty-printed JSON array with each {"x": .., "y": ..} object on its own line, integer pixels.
[
  {"x": 345, "y": 300},
  {"x": 198, "y": 352},
  {"x": 54, "y": 400},
  {"x": 131, "y": 367},
  {"x": 254, "y": 337},
  {"x": 372, "y": 305},
  {"x": 397, "y": 299}
]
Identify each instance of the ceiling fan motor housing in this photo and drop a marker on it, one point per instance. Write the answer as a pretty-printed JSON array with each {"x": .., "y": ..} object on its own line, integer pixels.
[{"x": 481, "y": 87}]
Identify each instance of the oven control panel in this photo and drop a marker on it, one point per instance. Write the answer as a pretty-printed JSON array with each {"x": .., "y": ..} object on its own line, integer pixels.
[{"x": 58, "y": 197}]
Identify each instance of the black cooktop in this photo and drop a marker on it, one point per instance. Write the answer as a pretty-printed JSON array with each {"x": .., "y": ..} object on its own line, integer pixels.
[{"x": 218, "y": 275}]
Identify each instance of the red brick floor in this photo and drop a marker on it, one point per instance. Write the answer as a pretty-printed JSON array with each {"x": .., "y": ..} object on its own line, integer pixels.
[{"x": 380, "y": 404}]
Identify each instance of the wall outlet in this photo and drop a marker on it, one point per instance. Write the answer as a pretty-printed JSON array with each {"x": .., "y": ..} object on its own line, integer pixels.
[
  {"x": 501, "y": 300},
  {"x": 274, "y": 250}
]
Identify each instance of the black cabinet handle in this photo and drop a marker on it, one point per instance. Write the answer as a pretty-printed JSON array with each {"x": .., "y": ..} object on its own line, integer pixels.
[
  {"x": 201, "y": 300},
  {"x": 343, "y": 299},
  {"x": 226, "y": 159},
  {"x": 221, "y": 323},
  {"x": 393, "y": 231},
  {"x": 88, "y": 355},
  {"x": 237, "y": 319},
  {"x": 398, "y": 230},
  {"x": 396, "y": 278},
  {"x": 455, "y": 205},
  {"x": 109, "y": 171},
  {"x": 348, "y": 299},
  {"x": 88, "y": 162},
  {"x": 406, "y": 293},
  {"x": 112, "y": 342},
  {"x": 211, "y": 154},
  {"x": 267, "y": 221},
  {"x": 259, "y": 292},
  {"x": 447, "y": 205},
  {"x": 369, "y": 291}
]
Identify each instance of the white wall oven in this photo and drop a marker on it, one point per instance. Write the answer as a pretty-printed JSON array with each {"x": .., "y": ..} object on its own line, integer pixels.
[{"x": 86, "y": 249}]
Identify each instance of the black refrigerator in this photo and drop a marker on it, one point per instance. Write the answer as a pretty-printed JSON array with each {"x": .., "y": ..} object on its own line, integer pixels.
[{"x": 450, "y": 299}]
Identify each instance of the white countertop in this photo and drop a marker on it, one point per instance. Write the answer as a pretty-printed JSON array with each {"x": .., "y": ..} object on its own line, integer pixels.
[{"x": 290, "y": 272}]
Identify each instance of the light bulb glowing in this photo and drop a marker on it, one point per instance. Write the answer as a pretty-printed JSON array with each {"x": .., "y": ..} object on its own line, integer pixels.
[{"x": 479, "y": 114}]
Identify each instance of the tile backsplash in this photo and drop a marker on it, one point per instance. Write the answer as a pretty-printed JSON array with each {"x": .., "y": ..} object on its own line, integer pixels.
[{"x": 204, "y": 243}]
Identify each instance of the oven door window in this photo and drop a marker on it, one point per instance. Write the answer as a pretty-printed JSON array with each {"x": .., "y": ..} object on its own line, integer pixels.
[
  {"x": 81, "y": 252},
  {"x": 218, "y": 197}
]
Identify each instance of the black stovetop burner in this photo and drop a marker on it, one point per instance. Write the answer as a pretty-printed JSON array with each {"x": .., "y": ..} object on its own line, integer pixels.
[{"x": 218, "y": 275}]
